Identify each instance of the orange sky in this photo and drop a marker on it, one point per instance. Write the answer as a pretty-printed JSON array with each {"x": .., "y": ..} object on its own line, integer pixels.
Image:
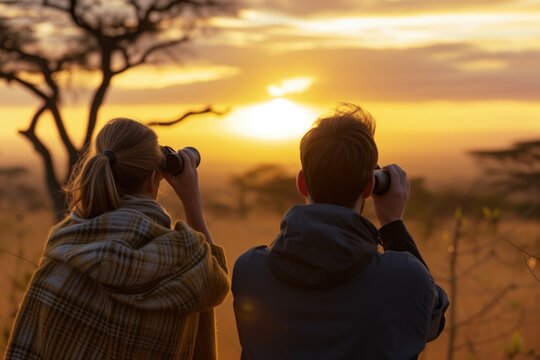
[{"x": 440, "y": 78}]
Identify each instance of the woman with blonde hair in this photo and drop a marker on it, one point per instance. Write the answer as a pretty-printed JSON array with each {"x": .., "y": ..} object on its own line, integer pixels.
[{"x": 117, "y": 280}]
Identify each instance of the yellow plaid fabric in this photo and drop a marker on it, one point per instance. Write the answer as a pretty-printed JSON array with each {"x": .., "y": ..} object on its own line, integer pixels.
[{"x": 122, "y": 285}]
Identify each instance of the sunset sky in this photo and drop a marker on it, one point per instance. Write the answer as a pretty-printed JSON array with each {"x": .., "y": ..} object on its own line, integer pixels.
[{"x": 440, "y": 77}]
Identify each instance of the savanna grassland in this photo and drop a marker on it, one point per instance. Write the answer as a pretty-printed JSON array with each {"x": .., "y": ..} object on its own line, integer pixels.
[{"x": 495, "y": 299}]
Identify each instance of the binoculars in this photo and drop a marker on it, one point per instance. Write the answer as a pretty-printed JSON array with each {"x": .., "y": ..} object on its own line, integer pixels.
[
  {"x": 382, "y": 181},
  {"x": 174, "y": 163}
]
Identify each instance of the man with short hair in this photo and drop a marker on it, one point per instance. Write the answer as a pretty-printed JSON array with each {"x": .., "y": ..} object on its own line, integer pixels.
[{"x": 321, "y": 290}]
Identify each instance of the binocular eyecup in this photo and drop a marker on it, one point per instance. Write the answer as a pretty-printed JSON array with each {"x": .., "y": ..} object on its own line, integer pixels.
[
  {"x": 382, "y": 181},
  {"x": 174, "y": 162}
]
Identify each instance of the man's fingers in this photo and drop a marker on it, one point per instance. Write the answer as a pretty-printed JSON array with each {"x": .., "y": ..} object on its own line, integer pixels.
[{"x": 398, "y": 176}]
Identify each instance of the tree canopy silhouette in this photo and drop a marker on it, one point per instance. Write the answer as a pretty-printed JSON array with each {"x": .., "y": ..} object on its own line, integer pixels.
[
  {"x": 43, "y": 40},
  {"x": 516, "y": 168}
]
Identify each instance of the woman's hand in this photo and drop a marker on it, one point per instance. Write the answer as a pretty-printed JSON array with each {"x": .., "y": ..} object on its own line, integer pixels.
[{"x": 186, "y": 186}]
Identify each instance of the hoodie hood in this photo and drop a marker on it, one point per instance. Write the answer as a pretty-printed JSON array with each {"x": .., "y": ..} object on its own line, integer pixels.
[{"x": 322, "y": 245}]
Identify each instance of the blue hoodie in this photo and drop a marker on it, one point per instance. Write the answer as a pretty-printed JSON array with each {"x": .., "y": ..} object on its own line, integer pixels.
[{"x": 322, "y": 291}]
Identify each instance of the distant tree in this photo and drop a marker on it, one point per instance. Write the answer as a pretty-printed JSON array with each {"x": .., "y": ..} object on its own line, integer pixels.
[
  {"x": 16, "y": 192},
  {"x": 43, "y": 40},
  {"x": 514, "y": 169},
  {"x": 266, "y": 186}
]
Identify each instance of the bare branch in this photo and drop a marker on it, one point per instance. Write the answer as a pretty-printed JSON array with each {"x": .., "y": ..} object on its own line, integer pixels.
[
  {"x": 532, "y": 271},
  {"x": 78, "y": 20},
  {"x": 50, "y": 5},
  {"x": 487, "y": 307},
  {"x": 206, "y": 110},
  {"x": 19, "y": 257},
  {"x": 499, "y": 336},
  {"x": 26, "y": 84},
  {"x": 51, "y": 181},
  {"x": 151, "y": 50},
  {"x": 488, "y": 256}
]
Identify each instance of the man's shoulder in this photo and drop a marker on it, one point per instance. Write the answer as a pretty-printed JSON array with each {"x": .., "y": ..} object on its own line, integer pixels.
[
  {"x": 248, "y": 262},
  {"x": 254, "y": 254},
  {"x": 403, "y": 267}
]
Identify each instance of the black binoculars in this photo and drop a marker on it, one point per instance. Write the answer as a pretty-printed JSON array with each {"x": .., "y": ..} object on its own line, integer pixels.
[
  {"x": 382, "y": 181},
  {"x": 174, "y": 163}
]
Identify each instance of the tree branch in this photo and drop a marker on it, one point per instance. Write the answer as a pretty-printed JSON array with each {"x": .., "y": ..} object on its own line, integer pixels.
[
  {"x": 499, "y": 336},
  {"x": 51, "y": 100},
  {"x": 144, "y": 57},
  {"x": 488, "y": 256},
  {"x": 206, "y": 110},
  {"x": 487, "y": 306},
  {"x": 50, "y": 5},
  {"x": 28, "y": 85},
  {"x": 50, "y": 178},
  {"x": 19, "y": 257},
  {"x": 72, "y": 11},
  {"x": 97, "y": 100}
]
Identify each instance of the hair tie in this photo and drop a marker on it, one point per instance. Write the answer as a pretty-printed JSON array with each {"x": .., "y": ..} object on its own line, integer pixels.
[{"x": 111, "y": 156}]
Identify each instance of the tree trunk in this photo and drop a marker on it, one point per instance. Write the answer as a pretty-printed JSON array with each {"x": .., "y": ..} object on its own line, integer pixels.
[{"x": 452, "y": 329}]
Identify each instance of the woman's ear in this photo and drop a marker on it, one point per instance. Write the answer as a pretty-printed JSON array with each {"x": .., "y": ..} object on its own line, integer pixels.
[
  {"x": 301, "y": 184},
  {"x": 152, "y": 184}
]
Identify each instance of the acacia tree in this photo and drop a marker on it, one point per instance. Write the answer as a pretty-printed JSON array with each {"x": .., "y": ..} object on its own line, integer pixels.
[
  {"x": 514, "y": 169},
  {"x": 43, "y": 40}
]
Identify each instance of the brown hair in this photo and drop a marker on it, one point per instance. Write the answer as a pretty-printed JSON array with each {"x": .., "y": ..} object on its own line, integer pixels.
[
  {"x": 339, "y": 155},
  {"x": 97, "y": 183}
]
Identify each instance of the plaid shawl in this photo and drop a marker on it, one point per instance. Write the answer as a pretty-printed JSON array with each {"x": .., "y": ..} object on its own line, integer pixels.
[{"x": 122, "y": 285}]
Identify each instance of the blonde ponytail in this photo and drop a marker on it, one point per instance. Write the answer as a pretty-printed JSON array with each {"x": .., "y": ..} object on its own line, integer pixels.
[{"x": 126, "y": 153}]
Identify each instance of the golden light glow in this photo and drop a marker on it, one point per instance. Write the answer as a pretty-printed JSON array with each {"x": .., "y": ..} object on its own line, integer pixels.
[
  {"x": 290, "y": 86},
  {"x": 157, "y": 77},
  {"x": 481, "y": 65},
  {"x": 145, "y": 77},
  {"x": 277, "y": 119}
]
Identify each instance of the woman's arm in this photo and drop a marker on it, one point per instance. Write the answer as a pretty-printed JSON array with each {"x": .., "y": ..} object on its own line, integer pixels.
[{"x": 186, "y": 186}]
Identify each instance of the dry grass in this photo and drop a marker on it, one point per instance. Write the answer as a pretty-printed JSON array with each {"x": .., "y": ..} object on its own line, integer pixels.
[{"x": 26, "y": 235}]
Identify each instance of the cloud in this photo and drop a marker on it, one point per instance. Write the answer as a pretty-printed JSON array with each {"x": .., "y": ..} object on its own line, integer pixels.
[
  {"x": 296, "y": 85},
  {"x": 281, "y": 32},
  {"x": 441, "y": 72},
  {"x": 155, "y": 77},
  {"x": 457, "y": 72},
  {"x": 370, "y": 7}
]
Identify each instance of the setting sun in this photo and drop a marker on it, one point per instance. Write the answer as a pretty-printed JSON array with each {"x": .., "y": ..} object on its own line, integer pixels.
[{"x": 277, "y": 119}]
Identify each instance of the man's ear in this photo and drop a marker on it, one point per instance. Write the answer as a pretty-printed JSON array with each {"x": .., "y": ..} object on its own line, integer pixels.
[
  {"x": 301, "y": 184},
  {"x": 368, "y": 190}
]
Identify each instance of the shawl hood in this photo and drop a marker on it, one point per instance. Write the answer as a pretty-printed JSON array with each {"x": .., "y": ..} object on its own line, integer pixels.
[
  {"x": 322, "y": 245},
  {"x": 131, "y": 252}
]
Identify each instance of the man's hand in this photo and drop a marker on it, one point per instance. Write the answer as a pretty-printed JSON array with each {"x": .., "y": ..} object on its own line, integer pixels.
[{"x": 390, "y": 206}]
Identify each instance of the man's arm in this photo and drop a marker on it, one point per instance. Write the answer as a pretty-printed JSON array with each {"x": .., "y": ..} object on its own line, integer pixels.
[
  {"x": 389, "y": 209},
  {"x": 394, "y": 236}
]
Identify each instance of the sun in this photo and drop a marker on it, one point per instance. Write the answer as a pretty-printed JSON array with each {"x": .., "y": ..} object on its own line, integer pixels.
[{"x": 277, "y": 119}]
